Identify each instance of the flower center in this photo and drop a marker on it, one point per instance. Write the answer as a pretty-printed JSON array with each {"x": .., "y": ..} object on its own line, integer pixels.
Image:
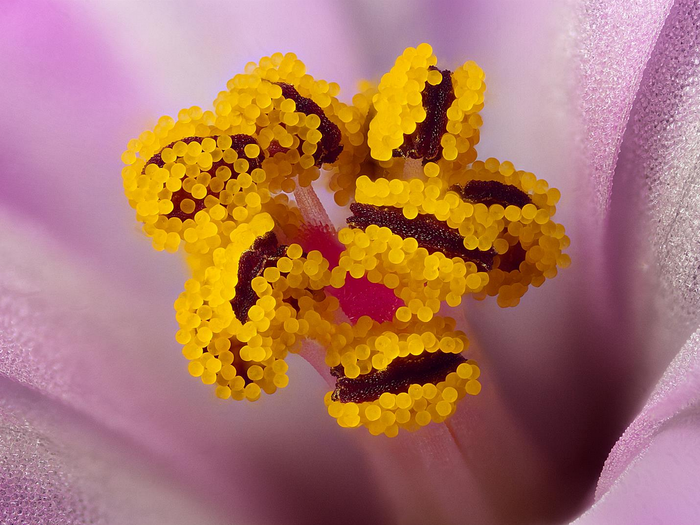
[{"x": 428, "y": 224}]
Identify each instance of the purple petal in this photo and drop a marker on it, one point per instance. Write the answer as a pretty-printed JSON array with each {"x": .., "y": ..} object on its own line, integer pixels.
[
  {"x": 613, "y": 41},
  {"x": 656, "y": 198},
  {"x": 653, "y": 262},
  {"x": 59, "y": 467},
  {"x": 653, "y": 473}
]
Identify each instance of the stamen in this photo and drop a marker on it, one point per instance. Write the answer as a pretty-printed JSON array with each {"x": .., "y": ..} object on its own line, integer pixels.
[
  {"x": 424, "y": 143},
  {"x": 412, "y": 409},
  {"x": 423, "y": 112},
  {"x": 431, "y": 234},
  {"x": 265, "y": 253},
  {"x": 187, "y": 211},
  {"x": 396, "y": 378},
  {"x": 330, "y": 134}
]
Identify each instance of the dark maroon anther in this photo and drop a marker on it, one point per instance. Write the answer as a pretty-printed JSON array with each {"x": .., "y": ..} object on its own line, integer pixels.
[
  {"x": 490, "y": 192},
  {"x": 238, "y": 143},
  {"x": 329, "y": 147},
  {"x": 396, "y": 378},
  {"x": 264, "y": 253},
  {"x": 432, "y": 234},
  {"x": 511, "y": 260},
  {"x": 424, "y": 142}
]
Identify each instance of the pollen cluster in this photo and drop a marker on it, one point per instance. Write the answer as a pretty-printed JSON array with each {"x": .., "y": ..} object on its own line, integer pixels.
[{"x": 427, "y": 221}]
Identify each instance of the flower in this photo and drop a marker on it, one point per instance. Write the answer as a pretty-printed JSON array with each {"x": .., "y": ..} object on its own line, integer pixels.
[{"x": 102, "y": 424}]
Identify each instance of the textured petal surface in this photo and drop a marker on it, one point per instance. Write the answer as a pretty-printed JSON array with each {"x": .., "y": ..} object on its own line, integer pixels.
[
  {"x": 58, "y": 467},
  {"x": 653, "y": 473},
  {"x": 654, "y": 262},
  {"x": 613, "y": 41},
  {"x": 656, "y": 198},
  {"x": 69, "y": 333}
]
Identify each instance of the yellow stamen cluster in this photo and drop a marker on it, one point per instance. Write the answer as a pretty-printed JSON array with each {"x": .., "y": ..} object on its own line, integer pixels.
[
  {"x": 217, "y": 183},
  {"x": 410, "y": 410},
  {"x": 226, "y": 165}
]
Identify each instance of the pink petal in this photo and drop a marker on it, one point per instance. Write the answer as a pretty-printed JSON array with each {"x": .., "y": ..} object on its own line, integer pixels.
[
  {"x": 59, "y": 467},
  {"x": 69, "y": 333},
  {"x": 613, "y": 41},
  {"x": 656, "y": 198},
  {"x": 653, "y": 473},
  {"x": 67, "y": 108}
]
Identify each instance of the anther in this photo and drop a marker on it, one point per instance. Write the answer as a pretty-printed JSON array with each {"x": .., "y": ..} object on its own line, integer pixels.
[
  {"x": 424, "y": 143},
  {"x": 490, "y": 192},
  {"x": 396, "y": 378},
  {"x": 265, "y": 252},
  {"x": 238, "y": 144},
  {"x": 431, "y": 234},
  {"x": 329, "y": 145}
]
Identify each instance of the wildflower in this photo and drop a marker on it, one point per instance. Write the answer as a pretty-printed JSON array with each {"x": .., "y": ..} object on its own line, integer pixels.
[{"x": 100, "y": 420}]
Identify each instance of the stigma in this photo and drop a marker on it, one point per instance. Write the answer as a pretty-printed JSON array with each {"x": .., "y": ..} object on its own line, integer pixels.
[{"x": 426, "y": 221}]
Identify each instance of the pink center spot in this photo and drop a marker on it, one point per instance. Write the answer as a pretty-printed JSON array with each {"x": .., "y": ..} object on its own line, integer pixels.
[{"x": 359, "y": 296}]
